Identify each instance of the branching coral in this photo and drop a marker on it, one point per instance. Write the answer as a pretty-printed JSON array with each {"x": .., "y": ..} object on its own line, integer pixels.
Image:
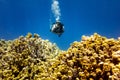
[
  {"x": 20, "y": 58},
  {"x": 94, "y": 58},
  {"x": 32, "y": 58}
]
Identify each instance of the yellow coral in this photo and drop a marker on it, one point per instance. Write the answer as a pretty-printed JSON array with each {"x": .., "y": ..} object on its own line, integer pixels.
[{"x": 32, "y": 58}]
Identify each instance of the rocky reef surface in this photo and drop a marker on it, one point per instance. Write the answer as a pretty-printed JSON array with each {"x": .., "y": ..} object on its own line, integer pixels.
[{"x": 31, "y": 58}]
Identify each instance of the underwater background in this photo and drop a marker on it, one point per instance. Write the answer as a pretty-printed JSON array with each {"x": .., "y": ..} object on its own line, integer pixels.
[
  {"x": 18, "y": 17},
  {"x": 89, "y": 49},
  {"x": 80, "y": 17}
]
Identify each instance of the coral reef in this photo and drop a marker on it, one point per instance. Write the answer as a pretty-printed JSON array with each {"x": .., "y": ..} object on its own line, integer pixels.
[
  {"x": 32, "y": 58},
  {"x": 94, "y": 58},
  {"x": 21, "y": 58}
]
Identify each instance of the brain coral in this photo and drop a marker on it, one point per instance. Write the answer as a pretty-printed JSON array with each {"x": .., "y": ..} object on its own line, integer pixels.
[{"x": 31, "y": 58}]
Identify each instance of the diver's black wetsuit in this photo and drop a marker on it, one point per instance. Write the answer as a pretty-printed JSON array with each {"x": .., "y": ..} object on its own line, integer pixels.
[{"x": 58, "y": 28}]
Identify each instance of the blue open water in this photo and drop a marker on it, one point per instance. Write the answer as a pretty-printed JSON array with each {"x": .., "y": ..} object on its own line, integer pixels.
[{"x": 80, "y": 17}]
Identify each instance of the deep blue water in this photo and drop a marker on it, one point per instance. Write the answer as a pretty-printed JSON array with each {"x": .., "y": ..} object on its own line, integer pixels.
[{"x": 80, "y": 17}]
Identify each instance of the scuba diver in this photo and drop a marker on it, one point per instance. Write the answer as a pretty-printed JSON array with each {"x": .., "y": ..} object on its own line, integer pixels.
[{"x": 57, "y": 28}]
